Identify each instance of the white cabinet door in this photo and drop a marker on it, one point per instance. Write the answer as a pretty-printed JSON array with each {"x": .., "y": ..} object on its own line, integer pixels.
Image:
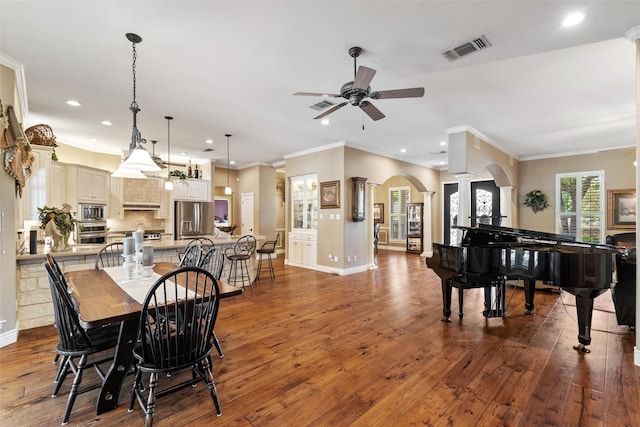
[
  {"x": 115, "y": 199},
  {"x": 100, "y": 186},
  {"x": 181, "y": 190},
  {"x": 200, "y": 191},
  {"x": 57, "y": 185},
  {"x": 93, "y": 186},
  {"x": 163, "y": 211},
  {"x": 309, "y": 250},
  {"x": 295, "y": 249}
]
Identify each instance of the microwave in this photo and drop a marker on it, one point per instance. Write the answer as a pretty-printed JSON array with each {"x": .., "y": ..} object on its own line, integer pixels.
[{"x": 92, "y": 212}]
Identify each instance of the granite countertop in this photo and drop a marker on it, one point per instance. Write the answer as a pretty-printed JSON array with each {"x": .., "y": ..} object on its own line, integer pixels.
[{"x": 92, "y": 249}]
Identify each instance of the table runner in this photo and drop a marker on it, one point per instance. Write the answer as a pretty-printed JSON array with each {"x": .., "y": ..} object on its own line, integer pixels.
[{"x": 137, "y": 287}]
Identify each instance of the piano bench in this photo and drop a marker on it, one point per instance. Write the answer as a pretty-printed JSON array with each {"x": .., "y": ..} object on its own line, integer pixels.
[{"x": 494, "y": 296}]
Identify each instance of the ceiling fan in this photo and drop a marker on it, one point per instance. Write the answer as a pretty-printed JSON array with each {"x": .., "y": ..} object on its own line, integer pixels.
[{"x": 357, "y": 90}]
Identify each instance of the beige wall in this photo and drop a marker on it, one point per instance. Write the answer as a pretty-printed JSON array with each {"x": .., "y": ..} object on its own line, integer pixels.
[
  {"x": 78, "y": 156},
  {"x": 619, "y": 173}
]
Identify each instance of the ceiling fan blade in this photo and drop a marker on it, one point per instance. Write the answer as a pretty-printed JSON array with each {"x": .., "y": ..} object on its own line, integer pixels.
[
  {"x": 414, "y": 92},
  {"x": 371, "y": 110},
  {"x": 331, "y": 110},
  {"x": 364, "y": 77},
  {"x": 317, "y": 94}
]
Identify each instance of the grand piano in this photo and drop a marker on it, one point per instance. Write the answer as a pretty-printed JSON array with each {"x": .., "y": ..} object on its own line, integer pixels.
[{"x": 489, "y": 255}]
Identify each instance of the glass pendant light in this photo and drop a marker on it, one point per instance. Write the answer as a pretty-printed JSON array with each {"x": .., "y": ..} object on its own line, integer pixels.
[
  {"x": 122, "y": 172},
  {"x": 139, "y": 158},
  {"x": 227, "y": 189},
  {"x": 168, "y": 184}
]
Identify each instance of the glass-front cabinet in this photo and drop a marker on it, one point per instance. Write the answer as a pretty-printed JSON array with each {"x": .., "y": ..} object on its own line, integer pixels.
[
  {"x": 304, "y": 202},
  {"x": 414, "y": 227}
]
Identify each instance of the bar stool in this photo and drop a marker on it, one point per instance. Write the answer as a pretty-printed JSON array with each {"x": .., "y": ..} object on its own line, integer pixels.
[
  {"x": 239, "y": 256},
  {"x": 267, "y": 248}
]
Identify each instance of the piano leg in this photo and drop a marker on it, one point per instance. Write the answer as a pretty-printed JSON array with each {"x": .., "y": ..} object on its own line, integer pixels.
[
  {"x": 584, "y": 309},
  {"x": 529, "y": 291},
  {"x": 446, "y": 300}
]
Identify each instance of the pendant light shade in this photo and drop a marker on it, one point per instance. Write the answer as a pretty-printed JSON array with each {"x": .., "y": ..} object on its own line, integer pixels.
[
  {"x": 227, "y": 189},
  {"x": 139, "y": 159},
  {"x": 123, "y": 172},
  {"x": 168, "y": 184}
]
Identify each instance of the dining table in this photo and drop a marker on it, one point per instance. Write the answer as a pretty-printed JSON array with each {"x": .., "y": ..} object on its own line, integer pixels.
[{"x": 102, "y": 299}]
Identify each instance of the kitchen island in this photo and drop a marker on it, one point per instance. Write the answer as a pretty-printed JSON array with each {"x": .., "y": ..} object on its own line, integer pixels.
[{"x": 34, "y": 298}]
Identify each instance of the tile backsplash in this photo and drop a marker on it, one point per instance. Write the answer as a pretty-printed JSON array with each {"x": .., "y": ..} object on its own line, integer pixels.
[{"x": 133, "y": 218}]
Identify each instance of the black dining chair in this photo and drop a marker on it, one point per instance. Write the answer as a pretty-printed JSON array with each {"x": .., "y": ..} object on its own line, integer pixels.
[
  {"x": 204, "y": 243},
  {"x": 110, "y": 255},
  {"x": 191, "y": 257},
  {"x": 186, "y": 344},
  {"x": 75, "y": 343},
  {"x": 268, "y": 248},
  {"x": 239, "y": 256},
  {"x": 213, "y": 262}
]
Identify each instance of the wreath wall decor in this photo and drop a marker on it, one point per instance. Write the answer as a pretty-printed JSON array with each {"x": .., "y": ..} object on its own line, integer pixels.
[{"x": 536, "y": 200}]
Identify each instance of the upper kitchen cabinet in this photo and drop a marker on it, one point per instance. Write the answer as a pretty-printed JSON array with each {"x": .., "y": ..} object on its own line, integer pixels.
[
  {"x": 46, "y": 185},
  {"x": 87, "y": 185},
  {"x": 192, "y": 189}
]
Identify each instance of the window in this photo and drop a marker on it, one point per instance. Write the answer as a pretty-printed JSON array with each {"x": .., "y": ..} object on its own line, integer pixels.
[
  {"x": 398, "y": 199},
  {"x": 580, "y": 205}
]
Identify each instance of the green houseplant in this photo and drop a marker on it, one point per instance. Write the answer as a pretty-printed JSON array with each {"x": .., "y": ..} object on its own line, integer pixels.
[
  {"x": 536, "y": 200},
  {"x": 57, "y": 223}
]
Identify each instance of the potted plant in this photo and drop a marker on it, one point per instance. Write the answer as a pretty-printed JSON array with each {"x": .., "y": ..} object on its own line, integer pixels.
[
  {"x": 536, "y": 200},
  {"x": 57, "y": 224}
]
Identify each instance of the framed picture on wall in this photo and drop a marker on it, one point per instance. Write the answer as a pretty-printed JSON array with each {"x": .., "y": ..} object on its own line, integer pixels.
[
  {"x": 330, "y": 194},
  {"x": 378, "y": 213},
  {"x": 622, "y": 209}
]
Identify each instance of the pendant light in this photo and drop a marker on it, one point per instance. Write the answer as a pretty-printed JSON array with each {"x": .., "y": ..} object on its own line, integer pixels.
[
  {"x": 168, "y": 184},
  {"x": 139, "y": 158},
  {"x": 123, "y": 172},
  {"x": 227, "y": 189}
]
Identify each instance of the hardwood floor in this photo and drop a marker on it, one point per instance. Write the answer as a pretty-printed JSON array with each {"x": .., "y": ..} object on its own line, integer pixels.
[{"x": 369, "y": 349}]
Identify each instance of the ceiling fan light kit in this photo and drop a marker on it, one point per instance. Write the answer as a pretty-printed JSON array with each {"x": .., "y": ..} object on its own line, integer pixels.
[{"x": 356, "y": 91}]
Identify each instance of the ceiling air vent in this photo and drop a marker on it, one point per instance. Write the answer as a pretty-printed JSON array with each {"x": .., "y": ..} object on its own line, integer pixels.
[
  {"x": 466, "y": 48},
  {"x": 206, "y": 150},
  {"x": 321, "y": 105}
]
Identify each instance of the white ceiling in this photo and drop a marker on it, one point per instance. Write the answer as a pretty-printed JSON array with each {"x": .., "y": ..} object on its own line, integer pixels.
[{"x": 231, "y": 67}]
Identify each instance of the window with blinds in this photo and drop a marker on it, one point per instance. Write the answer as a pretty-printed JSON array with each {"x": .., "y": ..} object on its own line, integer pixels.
[
  {"x": 580, "y": 206},
  {"x": 398, "y": 199}
]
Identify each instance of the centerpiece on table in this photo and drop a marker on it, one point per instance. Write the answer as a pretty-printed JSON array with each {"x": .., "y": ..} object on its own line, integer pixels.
[{"x": 58, "y": 224}]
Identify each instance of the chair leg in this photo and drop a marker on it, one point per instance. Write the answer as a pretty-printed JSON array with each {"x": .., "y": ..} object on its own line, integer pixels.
[
  {"x": 211, "y": 385},
  {"x": 244, "y": 270},
  {"x": 259, "y": 267},
  {"x": 151, "y": 401},
  {"x": 63, "y": 370},
  {"x": 134, "y": 389},
  {"x": 217, "y": 344},
  {"x": 74, "y": 388},
  {"x": 272, "y": 273}
]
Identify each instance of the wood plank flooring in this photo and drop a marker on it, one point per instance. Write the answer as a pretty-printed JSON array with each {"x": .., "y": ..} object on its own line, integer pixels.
[{"x": 369, "y": 349}]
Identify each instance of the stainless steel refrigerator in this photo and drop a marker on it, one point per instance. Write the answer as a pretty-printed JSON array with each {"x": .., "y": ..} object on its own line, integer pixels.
[{"x": 193, "y": 219}]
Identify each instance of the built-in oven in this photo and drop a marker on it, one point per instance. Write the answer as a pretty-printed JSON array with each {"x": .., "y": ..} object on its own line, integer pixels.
[{"x": 92, "y": 223}]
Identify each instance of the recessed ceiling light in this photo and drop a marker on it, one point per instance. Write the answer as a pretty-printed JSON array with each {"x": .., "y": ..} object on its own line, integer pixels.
[
  {"x": 573, "y": 19},
  {"x": 106, "y": 122},
  {"x": 232, "y": 162},
  {"x": 209, "y": 141},
  {"x": 93, "y": 140},
  {"x": 326, "y": 122},
  {"x": 403, "y": 150},
  {"x": 182, "y": 153},
  {"x": 442, "y": 163},
  {"x": 73, "y": 103},
  {"x": 443, "y": 142}
]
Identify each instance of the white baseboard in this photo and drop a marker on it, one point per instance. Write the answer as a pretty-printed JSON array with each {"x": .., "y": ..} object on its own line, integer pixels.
[
  {"x": 329, "y": 269},
  {"x": 8, "y": 337},
  {"x": 636, "y": 356}
]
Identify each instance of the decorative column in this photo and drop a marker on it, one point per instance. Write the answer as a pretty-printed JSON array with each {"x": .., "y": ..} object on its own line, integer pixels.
[
  {"x": 464, "y": 202},
  {"x": 506, "y": 211},
  {"x": 427, "y": 235},
  {"x": 371, "y": 259},
  {"x": 634, "y": 35}
]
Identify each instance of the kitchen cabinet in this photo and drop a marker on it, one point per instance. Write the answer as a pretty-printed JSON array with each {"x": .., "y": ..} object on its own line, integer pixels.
[
  {"x": 304, "y": 202},
  {"x": 46, "y": 185},
  {"x": 192, "y": 189},
  {"x": 115, "y": 209},
  {"x": 303, "y": 249},
  {"x": 93, "y": 185},
  {"x": 414, "y": 227},
  {"x": 165, "y": 202}
]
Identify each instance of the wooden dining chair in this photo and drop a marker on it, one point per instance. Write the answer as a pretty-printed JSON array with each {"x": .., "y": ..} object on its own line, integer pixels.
[
  {"x": 75, "y": 344},
  {"x": 239, "y": 256},
  {"x": 110, "y": 255},
  {"x": 187, "y": 344}
]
